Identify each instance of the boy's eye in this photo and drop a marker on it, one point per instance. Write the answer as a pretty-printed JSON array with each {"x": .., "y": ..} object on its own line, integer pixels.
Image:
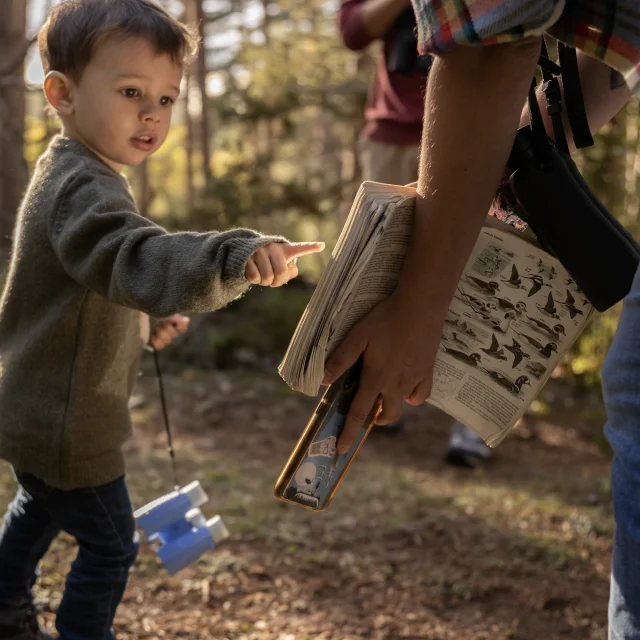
[
  {"x": 166, "y": 101},
  {"x": 130, "y": 93}
]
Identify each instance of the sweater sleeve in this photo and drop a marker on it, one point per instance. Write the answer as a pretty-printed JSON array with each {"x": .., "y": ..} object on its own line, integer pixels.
[
  {"x": 354, "y": 34},
  {"x": 105, "y": 245}
]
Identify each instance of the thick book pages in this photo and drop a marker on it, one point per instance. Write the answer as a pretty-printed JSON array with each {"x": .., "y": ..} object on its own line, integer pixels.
[{"x": 515, "y": 314}]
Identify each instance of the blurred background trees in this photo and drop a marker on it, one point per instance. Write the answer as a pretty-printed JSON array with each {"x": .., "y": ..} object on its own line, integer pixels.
[{"x": 264, "y": 133}]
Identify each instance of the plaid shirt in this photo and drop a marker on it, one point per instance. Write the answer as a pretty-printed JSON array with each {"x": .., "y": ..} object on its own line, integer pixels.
[{"x": 606, "y": 29}]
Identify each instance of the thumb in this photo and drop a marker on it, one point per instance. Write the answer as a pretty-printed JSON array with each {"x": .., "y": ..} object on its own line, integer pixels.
[
  {"x": 344, "y": 356},
  {"x": 295, "y": 250}
]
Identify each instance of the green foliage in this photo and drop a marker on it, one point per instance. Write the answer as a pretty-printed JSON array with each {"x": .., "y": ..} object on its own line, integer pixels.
[{"x": 286, "y": 115}]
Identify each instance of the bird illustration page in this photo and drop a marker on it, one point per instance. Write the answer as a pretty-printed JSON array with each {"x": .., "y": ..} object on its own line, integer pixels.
[{"x": 515, "y": 313}]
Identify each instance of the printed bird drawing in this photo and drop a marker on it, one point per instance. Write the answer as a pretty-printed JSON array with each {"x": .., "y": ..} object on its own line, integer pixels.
[
  {"x": 458, "y": 341},
  {"x": 571, "y": 284},
  {"x": 554, "y": 332},
  {"x": 536, "y": 284},
  {"x": 489, "y": 288},
  {"x": 477, "y": 305},
  {"x": 471, "y": 359},
  {"x": 494, "y": 350},
  {"x": 467, "y": 330},
  {"x": 536, "y": 368},
  {"x": 549, "y": 309},
  {"x": 543, "y": 350},
  {"x": 518, "y": 353},
  {"x": 513, "y": 386},
  {"x": 514, "y": 281},
  {"x": 569, "y": 303},
  {"x": 496, "y": 324},
  {"x": 507, "y": 305}
]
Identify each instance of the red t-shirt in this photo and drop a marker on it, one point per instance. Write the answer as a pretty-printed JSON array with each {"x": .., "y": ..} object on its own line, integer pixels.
[{"x": 395, "y": 104}]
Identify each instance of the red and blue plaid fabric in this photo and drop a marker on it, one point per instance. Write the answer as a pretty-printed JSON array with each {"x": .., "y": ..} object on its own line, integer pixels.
[{"x": 606, "y": 29}]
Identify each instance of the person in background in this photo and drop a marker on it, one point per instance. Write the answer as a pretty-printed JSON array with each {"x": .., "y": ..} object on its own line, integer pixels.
[{"x": 389, "y": 145}]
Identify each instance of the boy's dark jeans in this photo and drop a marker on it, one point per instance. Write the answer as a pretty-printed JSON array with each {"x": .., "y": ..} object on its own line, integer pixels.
[{"x": 101, "y": 520}]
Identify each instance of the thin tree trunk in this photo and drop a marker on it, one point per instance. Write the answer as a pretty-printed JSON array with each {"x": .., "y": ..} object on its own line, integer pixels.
[
  {"x": 144, "y": 195},
  {"x": 13, "y": 168},
  {"x": 205, "y": 122},
  {"x": 190, "y": 190}
]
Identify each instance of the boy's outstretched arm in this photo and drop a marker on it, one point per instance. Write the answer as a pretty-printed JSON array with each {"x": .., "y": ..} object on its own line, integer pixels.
[{"x": 104, "y": 244}]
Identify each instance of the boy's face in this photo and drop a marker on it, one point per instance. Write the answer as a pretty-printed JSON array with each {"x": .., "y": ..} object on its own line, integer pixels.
[{"x": 122, "y": 104}]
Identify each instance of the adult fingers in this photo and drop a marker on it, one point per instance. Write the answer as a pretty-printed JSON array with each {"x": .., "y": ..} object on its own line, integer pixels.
[
  {"x": 391, "y": 408},
  {"x": 344, "y": 356},
  {"x": 420, "y": 394},
  {"x": 365, "y": 402}
]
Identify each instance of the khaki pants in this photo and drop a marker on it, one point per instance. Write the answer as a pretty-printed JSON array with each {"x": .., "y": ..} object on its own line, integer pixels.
[{"x": 390, "y": 163}]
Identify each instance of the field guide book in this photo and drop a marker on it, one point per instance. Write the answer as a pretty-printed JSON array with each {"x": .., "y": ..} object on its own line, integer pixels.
[{"x": 515, "y": 313}]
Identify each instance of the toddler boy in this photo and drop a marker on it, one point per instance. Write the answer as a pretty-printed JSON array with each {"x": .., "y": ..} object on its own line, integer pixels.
[{"x": 85, "y": 266}]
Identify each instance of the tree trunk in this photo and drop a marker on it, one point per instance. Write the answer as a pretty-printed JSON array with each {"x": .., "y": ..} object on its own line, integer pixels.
[
  {"x": 144, "y": 195},
  {"x": 201, "y": 72},
  {"x": 188, "y": 147},
  {"x": 13, "y": 168}
]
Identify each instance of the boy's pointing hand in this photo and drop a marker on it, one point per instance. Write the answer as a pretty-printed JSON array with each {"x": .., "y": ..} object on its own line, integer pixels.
[{"x": 274, "y": 264}]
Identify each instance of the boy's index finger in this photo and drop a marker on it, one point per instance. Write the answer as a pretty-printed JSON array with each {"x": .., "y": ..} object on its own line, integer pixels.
[{"x": 295, "y": 250}]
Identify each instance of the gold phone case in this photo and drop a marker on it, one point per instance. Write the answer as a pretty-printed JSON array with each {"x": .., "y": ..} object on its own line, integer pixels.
[{"x": 315, "y": 469}]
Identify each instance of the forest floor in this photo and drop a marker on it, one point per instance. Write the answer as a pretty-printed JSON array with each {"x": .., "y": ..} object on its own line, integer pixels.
[{"x": 410, "y": 548}]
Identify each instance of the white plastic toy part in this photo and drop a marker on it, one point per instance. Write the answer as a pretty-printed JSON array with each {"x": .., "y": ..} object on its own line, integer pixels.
[
  {"x": 196, "y": 494},
  {"x": 217, "y": 529}
]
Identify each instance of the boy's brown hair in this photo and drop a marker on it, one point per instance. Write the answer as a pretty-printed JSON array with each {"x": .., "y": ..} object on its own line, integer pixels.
[{"x": 75, "y": 28}]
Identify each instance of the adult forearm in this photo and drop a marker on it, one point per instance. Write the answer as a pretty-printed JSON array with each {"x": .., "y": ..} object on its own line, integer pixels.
[
  {"x": 378, "y": 15},
  {"x": 605, "y": 93},
  {"x": 473, "y": 104}
]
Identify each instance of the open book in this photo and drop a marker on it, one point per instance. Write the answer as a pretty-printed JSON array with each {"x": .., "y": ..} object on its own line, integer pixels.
[{"x": 515, "y": 313}]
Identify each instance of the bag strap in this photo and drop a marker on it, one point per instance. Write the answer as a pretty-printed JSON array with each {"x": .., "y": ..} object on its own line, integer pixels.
[
  {"x": 539, "y": 140},
  {"x": 573, "y": 100},
  {"x": 551, "y": 89},
  {"x": 573, "y": 97}
]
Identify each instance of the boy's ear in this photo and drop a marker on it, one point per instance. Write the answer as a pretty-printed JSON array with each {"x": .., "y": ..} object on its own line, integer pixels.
[{"x": 59, "y": 92}]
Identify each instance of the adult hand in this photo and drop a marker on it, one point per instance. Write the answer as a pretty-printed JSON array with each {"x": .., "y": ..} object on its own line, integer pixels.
[{"x": 399, "y": 349}]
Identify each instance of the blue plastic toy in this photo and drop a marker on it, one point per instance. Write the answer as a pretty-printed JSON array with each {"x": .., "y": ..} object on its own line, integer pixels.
[{"x": 177, "y": 523}]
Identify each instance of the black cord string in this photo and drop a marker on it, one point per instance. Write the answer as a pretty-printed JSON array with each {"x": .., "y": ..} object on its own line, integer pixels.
[{"x": 165, "y": 415}]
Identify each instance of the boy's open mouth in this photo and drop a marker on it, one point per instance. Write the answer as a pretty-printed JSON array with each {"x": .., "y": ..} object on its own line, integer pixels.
[{"x": 144, "y": 142}]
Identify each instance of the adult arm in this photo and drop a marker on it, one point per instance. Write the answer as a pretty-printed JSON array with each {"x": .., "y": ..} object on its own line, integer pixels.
[
  {"x": 472, "y": 109},
  {"x": 363, "y": 21}
]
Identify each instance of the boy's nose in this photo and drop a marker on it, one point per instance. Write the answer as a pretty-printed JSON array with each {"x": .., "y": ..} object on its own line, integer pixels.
[{"x": 150, "y": 114}]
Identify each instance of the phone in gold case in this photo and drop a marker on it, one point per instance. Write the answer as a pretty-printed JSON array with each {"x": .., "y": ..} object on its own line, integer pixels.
[{"x": 315, "y": 469}]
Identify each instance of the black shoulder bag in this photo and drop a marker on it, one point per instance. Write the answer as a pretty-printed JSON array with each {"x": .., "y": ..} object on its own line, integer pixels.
[{"x": 547, "y": 191}]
